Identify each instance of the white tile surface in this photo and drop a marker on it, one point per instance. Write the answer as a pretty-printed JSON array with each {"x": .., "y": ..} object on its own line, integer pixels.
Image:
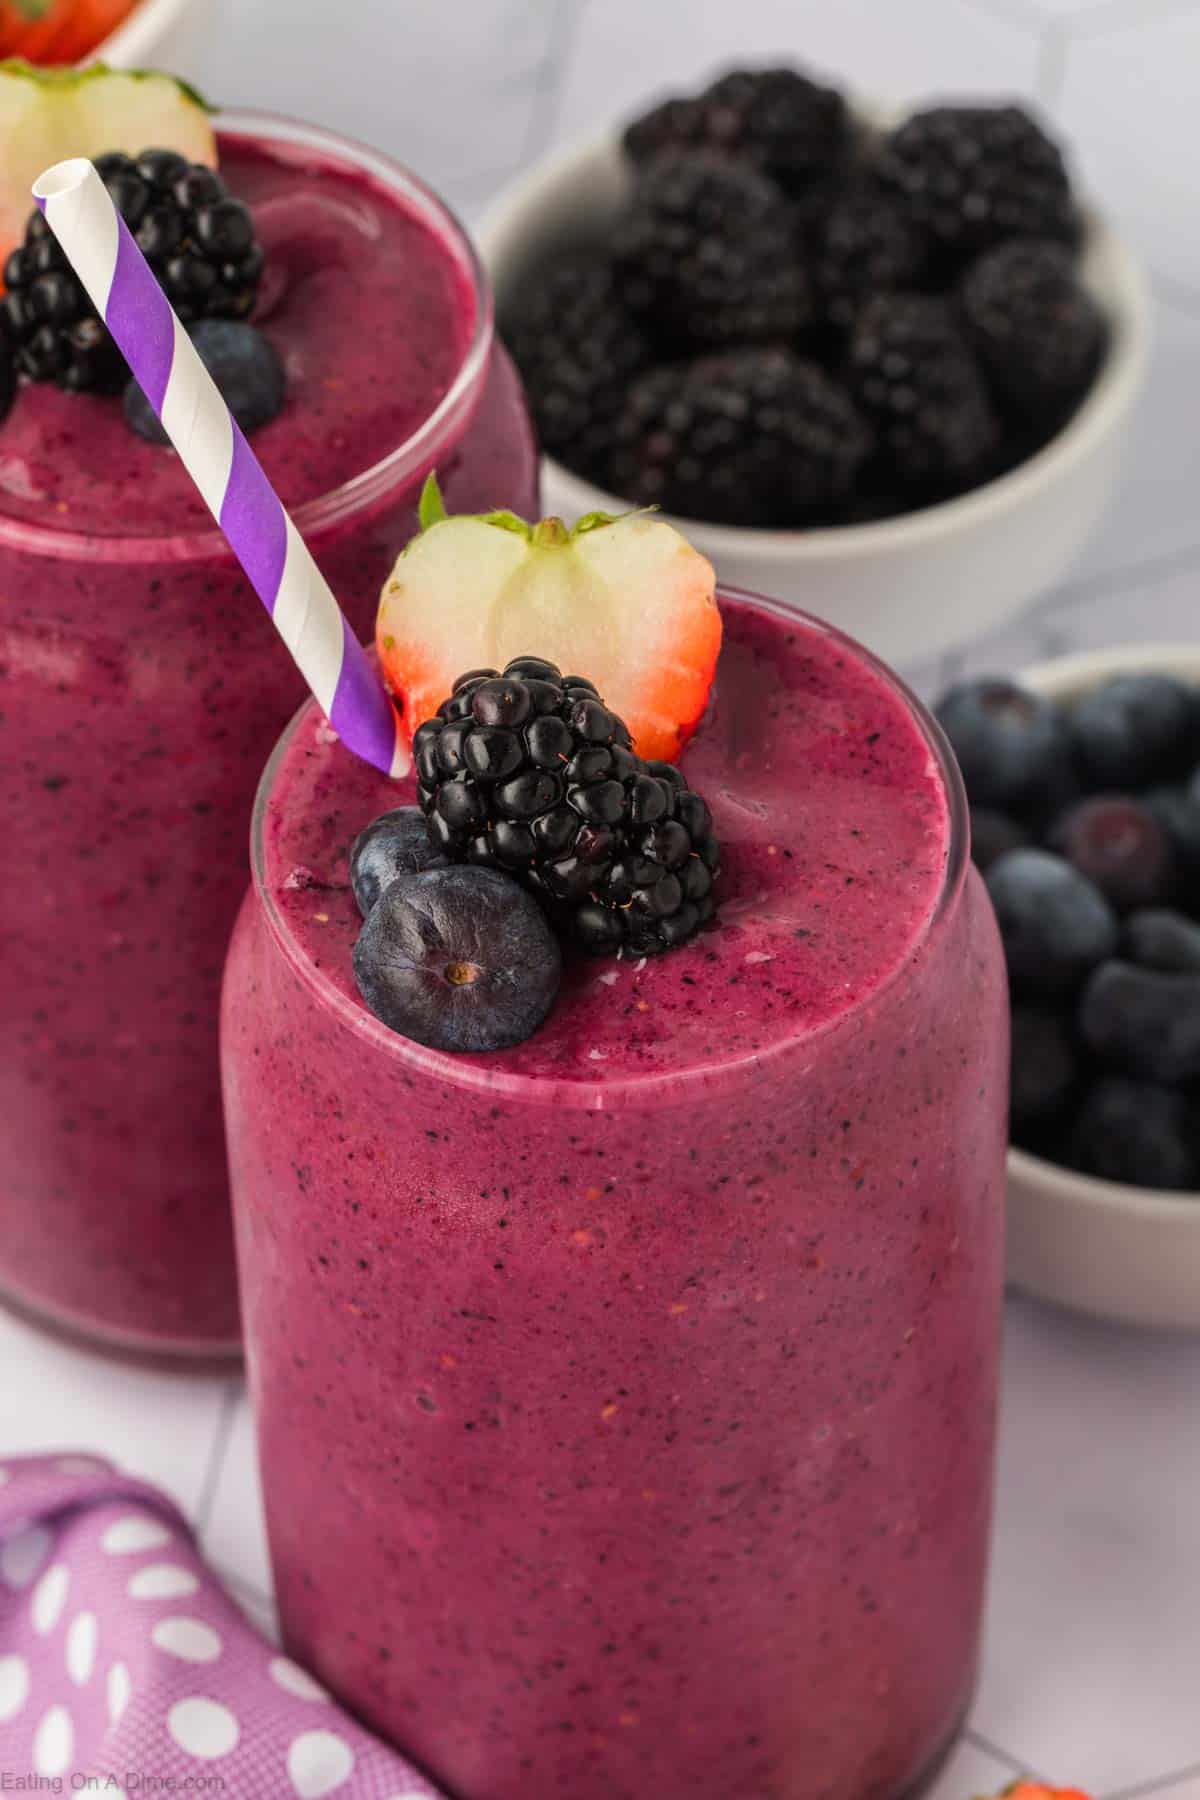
[
  {"x": 56, "y": 1397},
  {"x": 623, "y": 49},
  {"x": 1092, "y": 1669},
  {"x": 235, "y": 1536},
  {"x": 1091, "y": 1661},
  {"x": 1144, "y": 65}
]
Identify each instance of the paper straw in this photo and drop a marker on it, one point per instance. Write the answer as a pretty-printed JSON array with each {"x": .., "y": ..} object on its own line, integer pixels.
[{"x": 97, "y": 243}]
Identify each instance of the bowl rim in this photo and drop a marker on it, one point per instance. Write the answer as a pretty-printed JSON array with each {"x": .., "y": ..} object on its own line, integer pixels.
[
  {"x": 1125, "y": 297},
  {"x": 1062, "y": 677},
  {"x": 137, "y": 33}
]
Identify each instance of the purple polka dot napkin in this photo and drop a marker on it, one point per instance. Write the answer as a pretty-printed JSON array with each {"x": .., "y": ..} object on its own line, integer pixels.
[{"x": 125, "y": 1669}]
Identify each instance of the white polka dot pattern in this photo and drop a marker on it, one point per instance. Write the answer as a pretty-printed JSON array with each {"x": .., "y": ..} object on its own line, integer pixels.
[
  {"x": 137, "y": 1531},
  {"x": 49, "y": 1598},
  {"x": 318, "y": 1763},
  {"x": 203, "y": 1728},
  {"x": 162, "y": 1581},
  {"x": 189, "y": 1639},
  {"x": 54, "y": 1743},
  {"x": 118, "y": 1691},
  {"x": 14, "y": 1686},
  {"x": 295, "y": 1680},
  {"x": 119, "y": 1651},
  {"x": 81, "y": 1647}
]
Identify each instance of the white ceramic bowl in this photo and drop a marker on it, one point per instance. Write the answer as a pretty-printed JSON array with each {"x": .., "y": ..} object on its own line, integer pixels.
[
  {"x": 157, "y": 34},
  {"x": 1122, "y": 1253},
  {"x": 909, "y": 587}
]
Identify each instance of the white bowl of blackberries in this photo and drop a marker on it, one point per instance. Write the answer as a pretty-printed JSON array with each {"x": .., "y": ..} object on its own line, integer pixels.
[
  {"x": 1084, "y": 781},
  {"x": 879, "y": 368}
]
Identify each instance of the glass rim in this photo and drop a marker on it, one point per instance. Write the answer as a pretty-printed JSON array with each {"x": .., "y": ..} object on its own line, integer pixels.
[
  {"x": 411, "y": 458},
  {"x": 602, "y": 1093}
]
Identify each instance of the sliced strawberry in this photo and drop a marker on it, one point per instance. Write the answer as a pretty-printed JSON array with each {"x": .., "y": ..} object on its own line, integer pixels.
[
  {"x": 90, "y": 23},
  {"x": 625, "y": 602},
  {"x": 49, "y": 114}
]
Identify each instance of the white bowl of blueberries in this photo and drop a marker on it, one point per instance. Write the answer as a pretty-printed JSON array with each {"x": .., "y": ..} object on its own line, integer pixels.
[
  {"x": 1084, "y": 779},
  {"x": 880, "y": 370}
]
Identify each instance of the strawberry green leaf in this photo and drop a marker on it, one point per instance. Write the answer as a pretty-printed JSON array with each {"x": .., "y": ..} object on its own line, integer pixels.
[{"x": 432, "y": 509}]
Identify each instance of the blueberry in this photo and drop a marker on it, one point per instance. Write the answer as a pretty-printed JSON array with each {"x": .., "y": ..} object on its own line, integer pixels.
[
  {"x": 1136, "y": 729},
  {"x": 458, "y": 958},
  {"x": 1012, "y": 745},
  {"x": 1135, "y": 1132},
  {"x": 1045, "y": 1066},
  {"x": 992, "y": 834},
  {"x": 1119, "y": 845},
  {"x": 1055, "y": 924},
  {"x": 245, "y": 366},
  {"x": 1160, "y": 939},
  {"x": 1143, "y": 1021},
  {"x": 396, "y": 843}
]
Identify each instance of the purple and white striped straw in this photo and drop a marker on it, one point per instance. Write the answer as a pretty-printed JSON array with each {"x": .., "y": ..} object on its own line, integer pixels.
[{"x": 100, "y": 249}]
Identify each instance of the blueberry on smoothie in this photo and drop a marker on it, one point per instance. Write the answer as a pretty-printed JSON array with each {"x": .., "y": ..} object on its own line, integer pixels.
[
  {"x": 1012, "y": 745},
  {"x": 1136, "y": 729},
  {"x": 396, "y": 843},
  {"x": 1135, "y": 1132},
  {"x": 1045, "y": 1066},
  {"x": 1161, "y": 939},
  {"x": 1119, "y": 845},
  {"x": 993, "y": 835},
  {"x": 246, "y": 368},
  {"x": 1055, "y": 923},
  {"x": 460, "y": 959},
  {"x": 1143, "y": 1021}
]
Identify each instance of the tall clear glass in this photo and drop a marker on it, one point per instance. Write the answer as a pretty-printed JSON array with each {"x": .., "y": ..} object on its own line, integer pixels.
[
  {"x": 141, "y": 687},
  {"x": 629, "y": 1435}
]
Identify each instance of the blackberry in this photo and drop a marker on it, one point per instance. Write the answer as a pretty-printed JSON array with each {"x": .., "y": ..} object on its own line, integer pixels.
[
  {"x": 913, "y": 375},
  {"x": 755, "y": 437},
  {"x": 1035, "y": 328},
  {"x": 868, "y": 245},
  {"x": 707, "y": 256},
  {"x": 577, "y": 351},
  {"x": 789, "y": 126},
  {"x": 971, "y": 176},
  {"x": 199, "y": 243},
  {"x": 530, "y": 773}
]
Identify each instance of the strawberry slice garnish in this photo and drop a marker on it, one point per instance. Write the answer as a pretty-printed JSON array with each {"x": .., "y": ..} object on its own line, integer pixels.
[
  {"x": 625, "y": 602},
  {"x": 49, "y": 114}
]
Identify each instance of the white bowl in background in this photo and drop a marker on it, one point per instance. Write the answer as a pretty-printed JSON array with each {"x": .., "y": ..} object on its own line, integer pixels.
[
  {"x": 1124, "y": 1253},
  {"x": 909, "y": 587},
  {"x": 157, "y": 34}
]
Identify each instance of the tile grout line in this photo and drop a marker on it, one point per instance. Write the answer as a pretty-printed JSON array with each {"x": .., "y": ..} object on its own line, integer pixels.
[
  {"x": 1094, "y": 587},
  {"x": 1142, "y": 1788},
  {"x": 1111, "y": 16},
  {"x": 561, "y": 35},
  {"x": 978, "y": 1742},
  {"x": 1023, "y": 15},
  {"x": 216, "y": 1457},
  {"x": 1051, "y": 72}
]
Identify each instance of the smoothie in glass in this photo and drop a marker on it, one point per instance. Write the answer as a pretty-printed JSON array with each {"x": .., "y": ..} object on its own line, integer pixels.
[
  {"x": 141, "y": 686},
  {"x": 626, "y": 1399}
]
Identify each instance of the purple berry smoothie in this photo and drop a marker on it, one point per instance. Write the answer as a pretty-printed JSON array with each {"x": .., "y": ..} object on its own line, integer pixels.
[
  {"x": 141, "y": 686},
  {"x": 626, "y": 1399}
]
